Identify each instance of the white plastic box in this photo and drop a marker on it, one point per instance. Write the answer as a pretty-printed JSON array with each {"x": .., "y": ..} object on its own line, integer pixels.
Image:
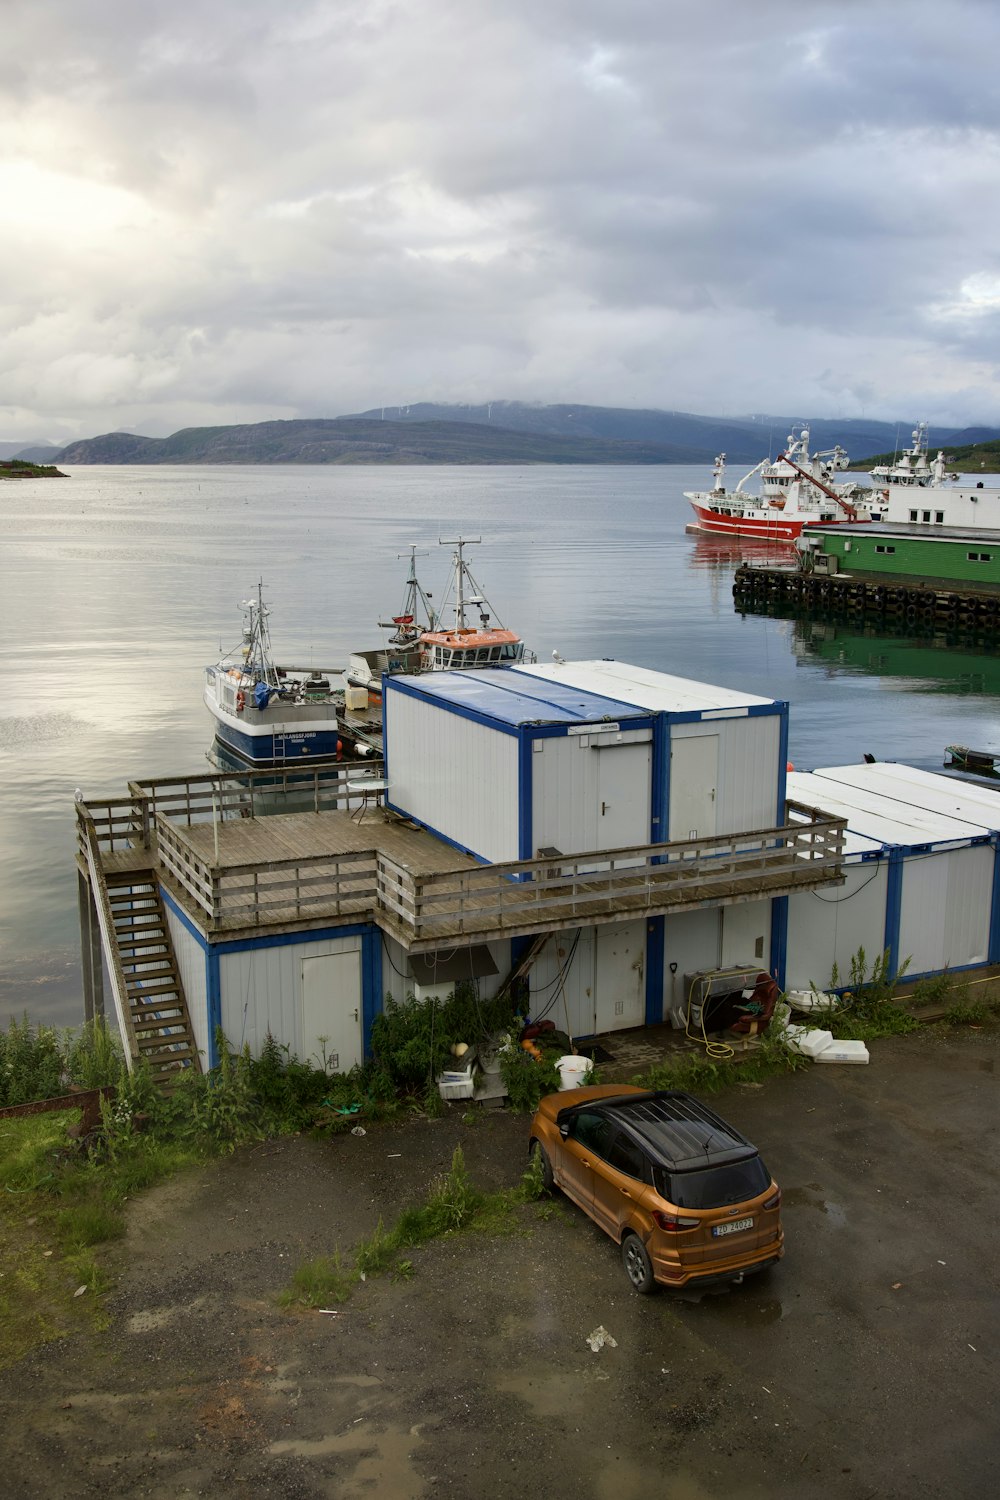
[{"x": 844, "y": 1052}]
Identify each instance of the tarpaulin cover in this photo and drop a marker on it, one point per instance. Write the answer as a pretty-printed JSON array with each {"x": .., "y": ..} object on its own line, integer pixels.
[{"x": 261, "y": 695}]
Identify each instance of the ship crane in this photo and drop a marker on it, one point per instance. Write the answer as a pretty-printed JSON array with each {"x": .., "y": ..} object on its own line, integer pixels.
[{"x": 845, "y": 505}]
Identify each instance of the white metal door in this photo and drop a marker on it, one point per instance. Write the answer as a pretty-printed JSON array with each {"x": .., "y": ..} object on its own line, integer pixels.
[
  {"x": 331, "y": 1011},
  {"x": 694, "y": 776},
  {"x": 619, "y": 976},
  {"x": 622, "y": 795}
]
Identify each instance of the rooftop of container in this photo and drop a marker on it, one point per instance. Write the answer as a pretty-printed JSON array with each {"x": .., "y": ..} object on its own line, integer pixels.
[
  {"x": 885, "y": 820},
  {"x": 508, "y": 695},
  {"x": 643, "y": 688}
]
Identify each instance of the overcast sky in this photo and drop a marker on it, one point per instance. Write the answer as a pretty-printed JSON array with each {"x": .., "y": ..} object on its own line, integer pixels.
[{"x": 218, "y": 211}]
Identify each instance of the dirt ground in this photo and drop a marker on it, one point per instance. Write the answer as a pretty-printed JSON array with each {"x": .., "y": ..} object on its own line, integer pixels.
[{"x": 864, "y": 1365}]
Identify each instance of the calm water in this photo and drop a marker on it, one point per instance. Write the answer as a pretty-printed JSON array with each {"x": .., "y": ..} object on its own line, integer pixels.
[{"x": 119, "y": 585}]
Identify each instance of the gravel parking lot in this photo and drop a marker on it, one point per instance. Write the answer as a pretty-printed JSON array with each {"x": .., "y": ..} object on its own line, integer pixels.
[{"x": 864, "y": 1365}]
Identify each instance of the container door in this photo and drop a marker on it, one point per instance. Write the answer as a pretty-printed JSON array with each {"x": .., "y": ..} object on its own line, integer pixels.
[
  {"x": 619, "y": 976},
  {"x": 694, "y": 776},
  {"x": 331, "y": 1011},
  {"x": 622, "y": 795}
]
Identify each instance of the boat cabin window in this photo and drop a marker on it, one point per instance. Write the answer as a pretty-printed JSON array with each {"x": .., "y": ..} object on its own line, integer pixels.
[
  {"x": 510, "y": 651},
  {"x": 979, "y": 556},
  {"x": 914, "y": 516},
  {"x": 939, "y": 517},
  {"x": 882, "y": 548},
  {"x": 927, "y": 515}
]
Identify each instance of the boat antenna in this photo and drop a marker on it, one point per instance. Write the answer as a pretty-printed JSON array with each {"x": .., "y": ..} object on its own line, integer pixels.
[{"x": 460, "y": 575}]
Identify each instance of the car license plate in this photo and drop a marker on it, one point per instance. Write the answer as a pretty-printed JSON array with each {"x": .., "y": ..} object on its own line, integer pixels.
[{"x": 732, "y": 1228}]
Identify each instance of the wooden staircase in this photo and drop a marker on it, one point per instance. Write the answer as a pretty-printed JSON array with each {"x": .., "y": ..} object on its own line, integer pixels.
[{"x": 156, "y": 1014}]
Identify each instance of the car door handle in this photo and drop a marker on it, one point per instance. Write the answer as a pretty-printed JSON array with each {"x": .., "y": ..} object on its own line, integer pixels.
[{"x": 625, "y": 1192}]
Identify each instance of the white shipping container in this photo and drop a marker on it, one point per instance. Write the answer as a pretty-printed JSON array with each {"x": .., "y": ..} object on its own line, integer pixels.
[
  {"x": 504, "y": 766},
  {"x": 723, "y": 752}
]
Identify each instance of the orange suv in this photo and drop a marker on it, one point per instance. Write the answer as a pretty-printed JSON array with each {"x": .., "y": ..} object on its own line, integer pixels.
[{"x": 685, "y": 1195}]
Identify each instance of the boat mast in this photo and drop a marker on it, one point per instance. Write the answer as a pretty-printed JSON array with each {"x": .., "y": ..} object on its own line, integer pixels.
[
  {"x": 459, "y": 576},
  {"x": 414, "y": 592},
  {"x": 259, "y": 637}
]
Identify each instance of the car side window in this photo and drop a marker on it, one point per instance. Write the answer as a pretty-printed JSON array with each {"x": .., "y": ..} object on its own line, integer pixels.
[
  {"x": 592, "y": 1132},
  {"x": 625, "y": 1156}
]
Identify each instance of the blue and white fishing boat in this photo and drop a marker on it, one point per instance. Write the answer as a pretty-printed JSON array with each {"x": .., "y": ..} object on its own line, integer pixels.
[{"x": 268, "y": 715}]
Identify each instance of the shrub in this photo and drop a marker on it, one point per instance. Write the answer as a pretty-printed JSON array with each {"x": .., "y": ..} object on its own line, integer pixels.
[
  {"x": 32, "y": 1065},
  {"x": 525, "y": 1078},
  {"x": 412, "y": 1039}
]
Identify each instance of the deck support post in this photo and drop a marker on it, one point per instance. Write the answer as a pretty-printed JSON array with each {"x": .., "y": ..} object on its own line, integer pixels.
[{"x": 91, "y": 961}]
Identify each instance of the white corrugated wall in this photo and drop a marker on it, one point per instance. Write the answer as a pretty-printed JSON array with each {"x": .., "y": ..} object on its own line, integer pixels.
[
  {"x": 591, "y": 791},
  {"x": 745, "y": 755},
  {"x": 945, "y": 915},
  {"x": 582, "y": 975},
  {"x": 454, "y": 775},
  {"x": 190, "y": 956},
  {"x": 828, "y": 927},
  {"x": 261, "y": 991}
]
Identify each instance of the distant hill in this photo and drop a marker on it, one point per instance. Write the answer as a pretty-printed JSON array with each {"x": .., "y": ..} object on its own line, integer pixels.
[
  {"x": 967, "y": 458},
  {"x": 38, "y": 453},
  {"x": 346, "y": 440},
  {"x": 743, "y": 439},
  {"x": 498, "y": 432}
]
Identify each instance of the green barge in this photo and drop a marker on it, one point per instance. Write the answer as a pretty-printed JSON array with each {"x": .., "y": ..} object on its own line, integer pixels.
[{"x": 949, "y": 580}]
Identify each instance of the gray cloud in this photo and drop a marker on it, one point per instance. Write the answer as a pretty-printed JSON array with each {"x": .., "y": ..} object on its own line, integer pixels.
[{"x": 226, "y": 212}]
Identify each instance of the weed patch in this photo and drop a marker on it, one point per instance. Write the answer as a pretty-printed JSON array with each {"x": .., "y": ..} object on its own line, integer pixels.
[{"x": 453, "y": 1206}]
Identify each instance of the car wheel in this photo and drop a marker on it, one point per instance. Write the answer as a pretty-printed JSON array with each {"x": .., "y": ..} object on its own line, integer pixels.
[
  {"x": 638, "y": 1266},
  {"x": 536, "y": 1149}
]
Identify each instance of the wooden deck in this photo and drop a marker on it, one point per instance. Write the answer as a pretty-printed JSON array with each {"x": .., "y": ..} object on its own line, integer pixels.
[
  {"x": 237, "y": 874},
  {"x": 308, "y": 835}
]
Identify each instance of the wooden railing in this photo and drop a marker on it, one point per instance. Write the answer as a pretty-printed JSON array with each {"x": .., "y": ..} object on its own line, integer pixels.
[
  {"x": 531, "y": 895},
  {"x": 87, "y": 836},
  {"x": 126, "y": 822},
  {"x": 523, "y": 896},
  {"x": 282, "y": 890}
]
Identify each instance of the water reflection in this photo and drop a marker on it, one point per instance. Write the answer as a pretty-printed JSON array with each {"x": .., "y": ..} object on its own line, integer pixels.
[{"x": 920, "y": 660}]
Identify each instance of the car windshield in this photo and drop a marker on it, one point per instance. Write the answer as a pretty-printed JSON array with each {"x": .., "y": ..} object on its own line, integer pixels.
[{"x": 717, "y": 1186}]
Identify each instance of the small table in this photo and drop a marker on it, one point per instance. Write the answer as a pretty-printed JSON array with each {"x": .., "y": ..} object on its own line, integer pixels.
[{"x": 371, "y": 790}]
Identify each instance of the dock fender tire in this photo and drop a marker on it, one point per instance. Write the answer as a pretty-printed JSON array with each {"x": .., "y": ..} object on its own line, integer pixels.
[
  {"x": 537, "y": 1151},
  {"x": 638, "y": 1266}
]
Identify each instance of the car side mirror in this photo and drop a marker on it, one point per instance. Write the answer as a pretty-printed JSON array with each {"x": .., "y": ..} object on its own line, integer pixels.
[{"x": 564, "y": 1131}]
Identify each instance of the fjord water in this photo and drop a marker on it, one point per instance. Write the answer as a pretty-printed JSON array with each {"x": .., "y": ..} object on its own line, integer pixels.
[{"x": 120, "y": 584}]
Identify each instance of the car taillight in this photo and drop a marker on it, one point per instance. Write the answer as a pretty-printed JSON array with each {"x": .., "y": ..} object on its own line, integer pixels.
[
  {"x": 671, "y": 1221},
  {"x": 774, "y": 1201}
]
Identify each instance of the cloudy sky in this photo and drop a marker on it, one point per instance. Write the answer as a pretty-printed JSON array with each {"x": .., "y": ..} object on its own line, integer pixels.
[{"x": 217, "y": 211}]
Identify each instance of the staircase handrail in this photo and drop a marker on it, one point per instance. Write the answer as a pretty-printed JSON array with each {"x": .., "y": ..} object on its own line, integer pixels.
[{"x": 106, "y": 922}]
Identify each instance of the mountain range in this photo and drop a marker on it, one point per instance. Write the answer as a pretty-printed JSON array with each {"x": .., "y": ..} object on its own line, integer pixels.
[{"x": 497, "y": 432}]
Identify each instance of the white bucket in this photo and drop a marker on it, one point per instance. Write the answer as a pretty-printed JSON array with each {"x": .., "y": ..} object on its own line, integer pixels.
[{"x": 573, "y": 1071}]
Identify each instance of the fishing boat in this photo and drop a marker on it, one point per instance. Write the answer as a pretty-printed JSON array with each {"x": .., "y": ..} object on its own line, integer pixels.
[
  {"x": 421, "y": 641},
  {"x": 796, "y": 488},
  {"x": 913, "y": 468},
  {"x": 268, "y": 715},
  {"x": 917, "y": 491}
]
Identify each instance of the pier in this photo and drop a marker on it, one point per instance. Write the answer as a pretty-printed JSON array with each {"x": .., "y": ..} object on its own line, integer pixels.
[{"x": 939, "y": 604}]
